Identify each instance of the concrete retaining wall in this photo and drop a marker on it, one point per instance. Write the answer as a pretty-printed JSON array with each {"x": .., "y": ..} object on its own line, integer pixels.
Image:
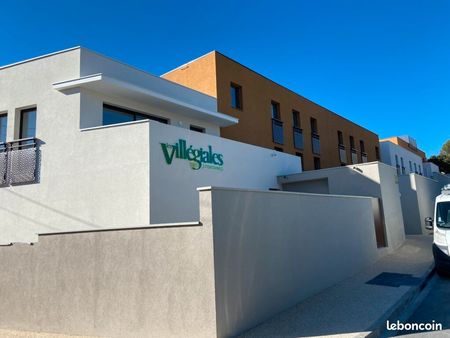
[
  {"x": 151, "y": 282},
  {"x": 274, "y": 249}
]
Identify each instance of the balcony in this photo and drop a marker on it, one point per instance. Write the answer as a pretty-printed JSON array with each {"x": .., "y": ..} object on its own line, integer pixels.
[
  {"x": 277, "y": 131},
  {"x": 342, "y": 154},
  {"x": 315, "y": 140},
  {"x": 354, "y": 156},
  {"x": 364, "y": 157},
  {"x": 19, "y": 162},
  {"x": 298, "y": 138}
]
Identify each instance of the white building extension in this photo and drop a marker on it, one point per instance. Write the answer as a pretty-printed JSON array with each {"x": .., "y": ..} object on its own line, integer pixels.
[
  {"x": 110, "y": 146},
  {"x": 405, "y": 161}
]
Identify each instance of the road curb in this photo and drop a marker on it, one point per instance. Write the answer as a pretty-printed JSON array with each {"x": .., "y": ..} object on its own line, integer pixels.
[{"x": 379, "y": 328}]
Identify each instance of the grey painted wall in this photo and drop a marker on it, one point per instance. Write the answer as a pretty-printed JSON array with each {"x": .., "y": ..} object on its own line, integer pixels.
[
  {"x": 150, "y": 282},
  {"x": 274, "y": 249},
  {"x": 418, "y": 199},
  {"x": 368, "y": 179}
]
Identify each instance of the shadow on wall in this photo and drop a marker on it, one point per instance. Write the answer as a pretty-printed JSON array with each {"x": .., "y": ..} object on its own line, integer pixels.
[
  {"x": 275, "y": 249},
  {"x": 357, "y": 180}
]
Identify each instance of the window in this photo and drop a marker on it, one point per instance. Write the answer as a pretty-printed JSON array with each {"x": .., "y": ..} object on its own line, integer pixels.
[
  {"x": 3, "y": 126},
  {"x": 278, "y": 149},
  {"x": 316, "y": 163},
  {"x": 352, "y": 143},
  {"x": 410, "y": 167},
  {"x": 415, "y": 168},
  {"x": 341, "y": 148},
  {"x": 443, "y": 214},
  {"x": 197, "y": 129},
  {"x": 377, "y": 153},
  {"x": 362, "y": 146},
  {"x": 397, "y": 165},
  {"x": 236, "y": 96},
  {"x": 275, "y": 106},
  {"x": 298, "y": 132},
  {"x": 314, "y": 128},
  {"x": 296, "y": 119},
  {"x": 114, "y": 115},
  {"x": 403, "y": 166},
  {"x": 420, "y": 170},
  {"x": 27, "y": 123},
  {"x": 340, "y": 138},
  {"x": 301, "y": 159}
]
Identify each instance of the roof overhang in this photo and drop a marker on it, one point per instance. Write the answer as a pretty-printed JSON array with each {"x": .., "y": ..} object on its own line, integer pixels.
[{"x": 119, "y": 88}]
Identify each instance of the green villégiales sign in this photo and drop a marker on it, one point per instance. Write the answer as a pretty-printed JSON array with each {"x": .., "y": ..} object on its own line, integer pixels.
[{"x": 198, "y": 158}]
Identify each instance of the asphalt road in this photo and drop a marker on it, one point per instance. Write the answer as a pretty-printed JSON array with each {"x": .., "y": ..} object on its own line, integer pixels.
[{"x": 433, "y": 305}]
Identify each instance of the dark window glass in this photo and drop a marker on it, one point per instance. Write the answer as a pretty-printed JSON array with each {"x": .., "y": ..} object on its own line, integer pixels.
[
  {"x": 362, "y": 146},
  {"x": 377, "y": 153},
  {"x": 352, "y": 143},
  {"x": 314, "y": 128},
  {"x": 197, "y": 129},
  {"x": 316, "y": 163},
  {"x": 340, "y": 138},
  {"x": 277, "y": 131},
  {"x": 278, "y": 149},
  {"x": 114, "y": 115},
  {"x": 27, "y": 123},
  {"x": 236, "y": 96},
  {"x": 3, "y": 125},
  {"x": 296, "y": 119},
  {"x": 275, "y": 106},
  {"x": 298, "y": 138},
  {"x": 443, "y": 214},
  {"x": 301, "y": 158}
]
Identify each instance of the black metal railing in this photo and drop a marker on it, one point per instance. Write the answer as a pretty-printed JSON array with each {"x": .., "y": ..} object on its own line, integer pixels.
[
  {"x": 277, "y": 131},
  {"x": 315, "y": 141},
  {"x": 19, "y": 161},
  {"x": 298, "y": 138}
]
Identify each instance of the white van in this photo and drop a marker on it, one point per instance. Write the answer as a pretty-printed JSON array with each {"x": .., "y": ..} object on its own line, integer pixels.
[{"x": 441, "y": 233}]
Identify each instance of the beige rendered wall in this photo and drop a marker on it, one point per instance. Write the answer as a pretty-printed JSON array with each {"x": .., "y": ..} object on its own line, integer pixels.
[
  {"x": 147, "y": 282},
  {"x": 280, "y": 248}
]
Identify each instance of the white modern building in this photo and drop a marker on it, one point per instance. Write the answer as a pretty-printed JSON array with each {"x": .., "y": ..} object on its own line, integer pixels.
[
  {"x": 402, "y": 153},
  {"x": 146, "y": 223},
  {"x": 91, "y": 143}
]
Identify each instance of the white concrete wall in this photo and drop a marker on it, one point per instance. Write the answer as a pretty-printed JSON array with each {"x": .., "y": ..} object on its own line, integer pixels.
[
  {"x": 173, "y": 187},
  {"x": 389, "y": 150},
  {"x": 100, "y": 178},
  {"x": 373, "y": 179},
  {"x": 279, "y": 248},
  {"x": 418, "y": 195},
  {"x": 430, "y": 169}
]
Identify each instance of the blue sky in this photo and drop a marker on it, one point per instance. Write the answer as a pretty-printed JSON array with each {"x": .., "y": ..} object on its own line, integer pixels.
[{"x": 383, "y": 64}]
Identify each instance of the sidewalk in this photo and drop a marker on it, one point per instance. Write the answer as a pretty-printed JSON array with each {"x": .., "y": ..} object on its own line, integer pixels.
[{"x": 353, "y": 308}]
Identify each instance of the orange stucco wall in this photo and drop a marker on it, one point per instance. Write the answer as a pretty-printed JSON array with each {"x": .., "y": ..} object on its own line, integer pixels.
[{"x": 213, "y": 73}]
